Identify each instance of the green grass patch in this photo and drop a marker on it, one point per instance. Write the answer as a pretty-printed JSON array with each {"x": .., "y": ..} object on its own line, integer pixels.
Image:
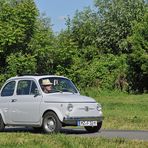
[
  {"x": 123, "y": 111},
  {"x": 29, "y": 140}
]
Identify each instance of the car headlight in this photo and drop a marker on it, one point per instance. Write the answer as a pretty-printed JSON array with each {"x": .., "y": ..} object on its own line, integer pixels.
[
  {"x": 70, "y": 107},
  {"x": 99, "y": 107}
]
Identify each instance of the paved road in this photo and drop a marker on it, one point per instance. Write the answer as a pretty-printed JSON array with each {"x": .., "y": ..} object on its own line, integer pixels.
[
  {"x": 133, "y": 135},
  {"x": 129, "y": 134}
]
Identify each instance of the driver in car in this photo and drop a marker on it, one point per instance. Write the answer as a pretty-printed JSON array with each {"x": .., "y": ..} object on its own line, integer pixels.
[{"x": 46, "y": 86}]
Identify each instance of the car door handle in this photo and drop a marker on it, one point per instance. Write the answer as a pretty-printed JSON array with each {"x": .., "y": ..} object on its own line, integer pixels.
[{"x": 13, "y": 100}]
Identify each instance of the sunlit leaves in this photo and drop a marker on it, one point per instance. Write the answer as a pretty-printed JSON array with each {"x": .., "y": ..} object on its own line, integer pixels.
[{"x": 21, "y": 64}]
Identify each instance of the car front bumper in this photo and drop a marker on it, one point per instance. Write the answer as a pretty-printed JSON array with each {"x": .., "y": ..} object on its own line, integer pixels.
[{"x": 73, "y": 120}]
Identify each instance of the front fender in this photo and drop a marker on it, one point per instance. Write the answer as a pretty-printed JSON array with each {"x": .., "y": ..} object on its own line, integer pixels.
[{"x": 56, "y": 111}]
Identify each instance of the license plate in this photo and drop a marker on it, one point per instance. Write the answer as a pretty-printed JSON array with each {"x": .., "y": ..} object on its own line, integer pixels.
[{"x": 87, "y": 123}]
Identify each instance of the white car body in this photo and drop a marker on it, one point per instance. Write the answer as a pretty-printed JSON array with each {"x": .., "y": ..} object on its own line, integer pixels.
[{"x": 71, "y": 108}]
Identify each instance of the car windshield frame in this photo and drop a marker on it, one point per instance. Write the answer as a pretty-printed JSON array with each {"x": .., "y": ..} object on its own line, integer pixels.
[{"x": 60, "y": 84}]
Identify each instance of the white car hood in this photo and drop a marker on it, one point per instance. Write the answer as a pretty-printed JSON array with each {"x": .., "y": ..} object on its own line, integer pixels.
[{"x": 62, "y": 97}]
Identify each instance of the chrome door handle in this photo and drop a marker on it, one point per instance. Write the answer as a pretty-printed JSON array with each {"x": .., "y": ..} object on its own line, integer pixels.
[{"x": 13, "y": 100}]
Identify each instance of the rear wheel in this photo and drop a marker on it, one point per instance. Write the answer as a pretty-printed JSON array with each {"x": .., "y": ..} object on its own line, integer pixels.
[
  {"x": 93, "y": 129},
  {"x": 51, "y": 123},
  {"x": 2, "y": 125}
]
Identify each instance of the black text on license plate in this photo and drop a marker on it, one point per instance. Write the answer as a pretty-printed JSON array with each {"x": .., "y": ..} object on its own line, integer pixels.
[{"x": 87, "y": 123}]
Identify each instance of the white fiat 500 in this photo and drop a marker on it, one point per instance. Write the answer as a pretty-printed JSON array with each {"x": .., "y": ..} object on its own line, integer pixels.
[{"x": 47, "y": 103}]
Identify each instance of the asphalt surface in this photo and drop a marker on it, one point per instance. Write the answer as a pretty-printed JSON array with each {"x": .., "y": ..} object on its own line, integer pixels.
[
  {"x": 133, "y": 135},
  {"x": 127, "y": 134}
]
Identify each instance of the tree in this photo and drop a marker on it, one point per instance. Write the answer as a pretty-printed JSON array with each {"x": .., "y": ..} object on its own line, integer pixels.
[
  {"x": 17, "y": 18},
  {"x": 138, "y": 59},
  {"x": 21, "y": 64},
  {"x": 66, "y": 50},
  {"x": 117, "y": 17},
  {"x": 84, "y": 28},
  {"x": 42, "y": 45}
]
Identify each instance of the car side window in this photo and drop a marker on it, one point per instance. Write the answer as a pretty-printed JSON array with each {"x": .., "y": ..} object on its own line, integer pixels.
[
  {"x": 23, "y": 87},
  {"x": 26, "y": 87},
  {"x": 8, "y": 89}
]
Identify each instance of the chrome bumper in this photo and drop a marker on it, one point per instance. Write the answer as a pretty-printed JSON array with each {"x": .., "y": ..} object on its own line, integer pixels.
[{"x": 74, "y": 120}]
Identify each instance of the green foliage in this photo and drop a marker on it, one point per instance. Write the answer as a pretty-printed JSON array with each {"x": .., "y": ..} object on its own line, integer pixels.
[
  {"x": 42, "y": 46},
  {"x": 66, "y": 49},
  {"x": 17, "y": 20},
  {"x": 101, "y": 72},
  {"x": 105, "y": 48},
  {"x": 138, "y": 59},
  {"x": 21, "y": 64},
  {"x": 84, "y": 28},
  {"x": 3, "y": 78},
  {"x": 116, "y": 22}
]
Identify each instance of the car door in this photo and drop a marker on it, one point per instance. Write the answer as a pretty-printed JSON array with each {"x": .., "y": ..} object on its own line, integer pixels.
[
  {"x": 25, "y": 107},
  {"x": 7, "y": 94}
]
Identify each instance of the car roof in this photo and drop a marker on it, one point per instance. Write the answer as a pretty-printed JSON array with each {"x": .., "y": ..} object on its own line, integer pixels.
[{"x": 33, "y": 77}]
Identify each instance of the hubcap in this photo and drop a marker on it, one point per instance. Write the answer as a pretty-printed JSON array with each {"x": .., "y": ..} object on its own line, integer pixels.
[{"x": 50, "y": 124}]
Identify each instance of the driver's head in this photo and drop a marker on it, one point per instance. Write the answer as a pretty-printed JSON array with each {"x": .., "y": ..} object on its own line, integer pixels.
[{"x": 47, "y": 85}]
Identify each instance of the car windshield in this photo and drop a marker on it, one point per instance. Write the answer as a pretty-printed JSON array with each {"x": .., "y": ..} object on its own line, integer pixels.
[{"x": 57, "y": 84}]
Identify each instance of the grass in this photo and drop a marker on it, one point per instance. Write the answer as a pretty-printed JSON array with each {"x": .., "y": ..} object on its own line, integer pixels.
[
  {"x": 21, "y": 140},
  {"x": 123, "y": 111}
]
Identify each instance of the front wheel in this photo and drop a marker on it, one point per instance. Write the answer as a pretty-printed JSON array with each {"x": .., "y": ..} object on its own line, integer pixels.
[
  {"x": 93, "y": 129},
  {"x": 51, "y": 123}
]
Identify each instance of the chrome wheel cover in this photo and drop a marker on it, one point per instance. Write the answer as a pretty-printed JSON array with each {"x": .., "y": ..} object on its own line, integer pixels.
[{"x": 50, "y": 124}]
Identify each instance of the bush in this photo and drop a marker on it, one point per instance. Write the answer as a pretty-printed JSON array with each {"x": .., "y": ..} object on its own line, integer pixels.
[{"x": 102, "y": 72}]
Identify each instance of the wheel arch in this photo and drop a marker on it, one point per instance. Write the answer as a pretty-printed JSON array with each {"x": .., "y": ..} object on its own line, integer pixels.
[{"x": 57, "y": 112}]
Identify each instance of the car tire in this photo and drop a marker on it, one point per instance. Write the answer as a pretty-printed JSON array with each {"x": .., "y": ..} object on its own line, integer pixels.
[
  {"x": 51, "y": 123},
  {"x": 2, "y": 125},
  {"x": 93, "y": 129}
]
